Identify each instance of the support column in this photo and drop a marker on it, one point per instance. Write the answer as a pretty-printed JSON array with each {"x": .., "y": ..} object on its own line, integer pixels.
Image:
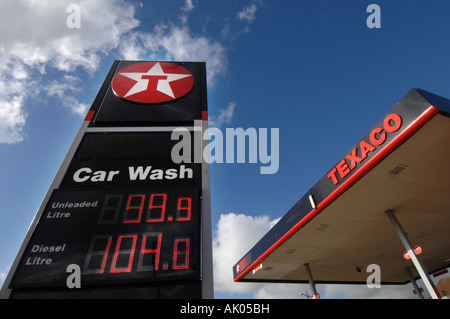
[
  {"x": 414, "y": 283},
  {"x": 311, "y": 281},
  {"x": 207, "y": 257},
  {"x": 415, "y": 259}
]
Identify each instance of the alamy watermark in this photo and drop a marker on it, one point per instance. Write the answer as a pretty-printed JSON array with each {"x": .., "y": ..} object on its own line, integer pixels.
[
  {"x": 373, "y": 21},
  {"x": 74, "y": 279},
  {"x": 236, "y": 145},
  {"x": 374, "y": 279},
  {"x": 73, "y": 21}
]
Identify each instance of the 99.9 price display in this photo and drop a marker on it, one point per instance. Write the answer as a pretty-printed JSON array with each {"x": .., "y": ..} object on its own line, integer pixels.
[{"x": 116, "y": 237}]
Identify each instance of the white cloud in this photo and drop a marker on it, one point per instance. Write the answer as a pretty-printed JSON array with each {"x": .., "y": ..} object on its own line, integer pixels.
[
  {"x": 132, "y": 47},
  {"x": 282, "y": 291},
  {"x": 35, "y": 39},
  {"x": 185, "y": 10},
  {"x": 245, "y": 17},
  {"x": 188, "y": 6},
  {"x": 12, "y": 116},
  {"x": 224, "y": 117},
  {"x": 334, "y": 291},
  {"x": 236, "y": 234},
  {"x": 66, "y": 89},
  {"x": 173, "y": 42},
  {"x": 3, "y": 275},
  {"x": 35, "y": 32},
  {"x": 363, "y": 292},
  {"x": 247, "y": 14}
]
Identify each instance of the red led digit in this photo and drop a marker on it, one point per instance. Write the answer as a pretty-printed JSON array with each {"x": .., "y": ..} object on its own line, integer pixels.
[
  {"x": 105, "y": 256},
  {"x": 177, "y": 251},
  {"x": 156, "y": 251},
  {"x": 129, "y": 252},
  {"x": 187, "y": 208},
  {"x": 161, "y": 204},
  {"x": 135, "y": 205},
  {"x": 97, "y": 254}
]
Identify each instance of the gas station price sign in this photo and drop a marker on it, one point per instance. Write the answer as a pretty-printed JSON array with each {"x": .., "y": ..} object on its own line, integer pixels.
[
  {"x": 115, "y": 236},
  {"x": 120, "y": 211}
]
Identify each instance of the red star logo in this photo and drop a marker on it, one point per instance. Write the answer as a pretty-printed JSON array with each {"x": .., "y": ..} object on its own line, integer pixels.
[{"x": 152, "y": 82}]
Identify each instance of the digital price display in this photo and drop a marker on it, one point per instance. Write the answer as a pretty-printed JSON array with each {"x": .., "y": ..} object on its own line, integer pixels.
[{"x": 115, "y": 236}]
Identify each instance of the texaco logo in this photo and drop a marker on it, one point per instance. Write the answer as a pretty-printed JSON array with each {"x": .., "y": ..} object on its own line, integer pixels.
[{"x": 152, "y": 82}]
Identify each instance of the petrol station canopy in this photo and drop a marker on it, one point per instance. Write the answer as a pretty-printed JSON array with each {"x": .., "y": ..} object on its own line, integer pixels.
[{"x": 340, "y": 226}]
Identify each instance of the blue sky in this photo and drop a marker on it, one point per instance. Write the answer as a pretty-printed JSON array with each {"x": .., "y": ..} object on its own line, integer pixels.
[{"x": 313, "y": 69}]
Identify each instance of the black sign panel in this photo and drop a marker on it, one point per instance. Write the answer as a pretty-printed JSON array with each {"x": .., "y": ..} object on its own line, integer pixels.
[
  {"x": 126, "y": 145},
  {"x": 123, "y": 213},
  {"x": 112, "y": 109},
  {"x": 120, "y": 209},
  {"x": 111, "y": 160},
  {"x": 115, "y": 237}
]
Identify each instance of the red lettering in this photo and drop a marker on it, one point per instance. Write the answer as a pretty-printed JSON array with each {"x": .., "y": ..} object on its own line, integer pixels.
[
  {"x": 332, "y": 175},
  {"x": 373, "y": 136},
  {"x": 377, "y": 137},
  {"x": 397, "y": 123},
  {"x": 354, "y": 159},
  {"x": 366, "y": 148},
  {"x": 343, "y": 168}
]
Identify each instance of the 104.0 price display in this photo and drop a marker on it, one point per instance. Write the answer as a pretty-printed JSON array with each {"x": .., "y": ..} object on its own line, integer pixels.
[{"x": 153, "y": 234}]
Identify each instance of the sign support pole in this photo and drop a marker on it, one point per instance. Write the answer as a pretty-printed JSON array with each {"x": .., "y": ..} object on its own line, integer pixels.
[
  {"x": 207, "y": 259},
  {"x": 311, "y": 281},
  {"x": 415, "y": 259},
  {"x": 414, "y": 283}
]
